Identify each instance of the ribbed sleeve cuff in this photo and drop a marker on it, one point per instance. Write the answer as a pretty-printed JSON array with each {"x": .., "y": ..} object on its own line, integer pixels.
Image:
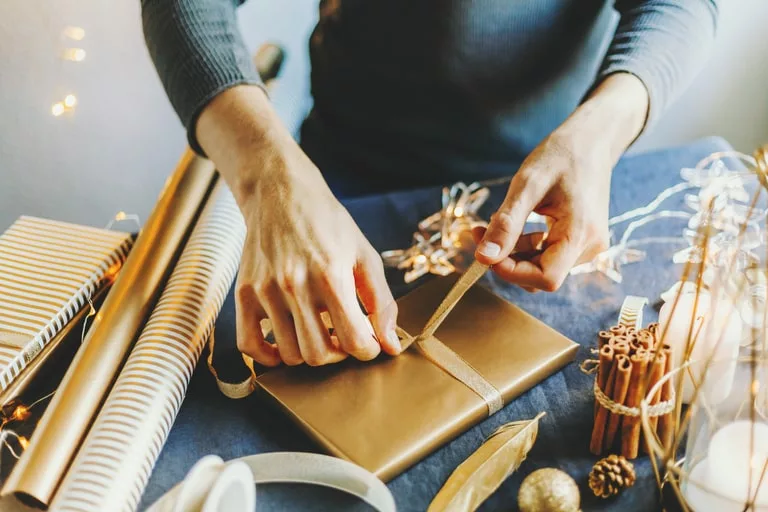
[
  {"x": 198, "y": 52},
  {"x": 655, "y": 78},
  {"x": 664, "y": 44}
]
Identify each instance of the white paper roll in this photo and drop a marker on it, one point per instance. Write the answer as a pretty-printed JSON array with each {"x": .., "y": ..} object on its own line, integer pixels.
[{"x": 114, "y": 463}]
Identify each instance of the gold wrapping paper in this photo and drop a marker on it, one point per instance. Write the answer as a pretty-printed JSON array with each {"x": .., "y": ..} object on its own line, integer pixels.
[
  {"x": 387, "y": 414},
  {"x": 113, "y": 465},
  {"x": 72, "y": 410}
]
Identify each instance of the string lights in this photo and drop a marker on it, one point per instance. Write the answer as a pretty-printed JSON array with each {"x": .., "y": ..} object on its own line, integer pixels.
[
  {"x": 720, "y": 203},
  {"x": 721, "y": 200},
  {"x": 74, "y": 33},
  {"x": 438, "y": 239},
  {"x": 16, "y": 412},
  {"x": 124, "y": 217},
  {"x": 74, "y": 54}
]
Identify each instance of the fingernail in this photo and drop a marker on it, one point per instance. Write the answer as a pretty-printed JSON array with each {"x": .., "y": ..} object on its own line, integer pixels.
[
  {"x": 394, "y": 340},
  {"x": 489, "y": 249}
]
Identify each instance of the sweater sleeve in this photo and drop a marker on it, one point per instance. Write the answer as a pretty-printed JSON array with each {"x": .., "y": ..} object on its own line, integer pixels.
[
  {"x": 198, "y": 52},
  {"x": 664, "y": 43}
]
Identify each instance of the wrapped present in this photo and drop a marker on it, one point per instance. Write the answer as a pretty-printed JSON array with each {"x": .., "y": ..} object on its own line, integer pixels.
[{"x": 388, "y": 414}]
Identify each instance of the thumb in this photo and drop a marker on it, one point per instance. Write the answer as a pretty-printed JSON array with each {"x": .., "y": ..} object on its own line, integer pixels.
[
  {"x": 374, "y": 293},
  {"x": 508, "y": 222}
]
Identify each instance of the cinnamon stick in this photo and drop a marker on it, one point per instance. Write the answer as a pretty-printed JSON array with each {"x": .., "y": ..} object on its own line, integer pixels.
[
  {"x": 620, "y": 345},
  {"x": 603, "y": 337},
  {"x": 603, "y": 369},
  {"x": 618, "y": 395},
  {"x": 630, "y": 425},
  {"x": 618, "y": 330},
  {"x": 598, "y": 429},
  {"x": 653, "y": 328},
  {"x": 646, "y": 339},
  {"x": 657, "y": 369},
  {"x": 665, "y": 428}
]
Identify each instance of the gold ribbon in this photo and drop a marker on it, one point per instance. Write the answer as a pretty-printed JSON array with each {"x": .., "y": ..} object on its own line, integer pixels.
[
  {"x": 426, "y": 342},
  {"x": 234, "y": 390},
  {"x": 631, "y": 314},
  {"x": 445, "y": 358}
]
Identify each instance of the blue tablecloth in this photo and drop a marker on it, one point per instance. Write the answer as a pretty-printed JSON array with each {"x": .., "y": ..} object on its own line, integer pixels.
[{"x": 211, "y": 424}]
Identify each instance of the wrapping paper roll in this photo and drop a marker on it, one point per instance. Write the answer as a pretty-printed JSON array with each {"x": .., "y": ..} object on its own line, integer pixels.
[
  {"x": 114, "y": 463},
  {"x": 48, "y": 272},
  {"x": 73, "y": 408}
]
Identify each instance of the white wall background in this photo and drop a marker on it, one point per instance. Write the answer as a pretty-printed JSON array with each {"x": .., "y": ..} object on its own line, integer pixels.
[
  {"x": 730, "y": 96},
  {"x": 123, "y": 139}
]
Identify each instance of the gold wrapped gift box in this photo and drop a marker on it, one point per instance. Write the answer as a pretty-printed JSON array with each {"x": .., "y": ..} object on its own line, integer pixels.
[{"x": 388, "y": 414}]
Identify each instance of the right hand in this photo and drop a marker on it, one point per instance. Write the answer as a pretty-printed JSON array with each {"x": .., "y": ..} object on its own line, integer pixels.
[{"x": 303, "y": 253}]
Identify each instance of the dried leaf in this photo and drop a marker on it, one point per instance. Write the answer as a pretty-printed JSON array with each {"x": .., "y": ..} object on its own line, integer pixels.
[{"x": 485, "y": 470}]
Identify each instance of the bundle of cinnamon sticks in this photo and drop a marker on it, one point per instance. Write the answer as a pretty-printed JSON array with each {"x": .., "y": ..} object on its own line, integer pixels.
[{"x": 630, "y": 363}]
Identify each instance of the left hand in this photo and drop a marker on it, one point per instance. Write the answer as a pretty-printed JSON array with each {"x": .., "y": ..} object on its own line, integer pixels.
[{"x": 566, "y": 178}]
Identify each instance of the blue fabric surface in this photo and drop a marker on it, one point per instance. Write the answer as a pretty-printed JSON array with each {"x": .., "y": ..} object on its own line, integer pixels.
[{"x": 212, "y": 424}]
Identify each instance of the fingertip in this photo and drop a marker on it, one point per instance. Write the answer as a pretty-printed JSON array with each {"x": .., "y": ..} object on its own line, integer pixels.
[
  {"x": 367, "y": 350},
  {"x": 266, "y": 355},
  {"x": 391, "y": 343}
]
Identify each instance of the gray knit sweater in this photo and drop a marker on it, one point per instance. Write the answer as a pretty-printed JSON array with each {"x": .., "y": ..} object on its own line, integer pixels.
[{"x": 457, "y": 88}]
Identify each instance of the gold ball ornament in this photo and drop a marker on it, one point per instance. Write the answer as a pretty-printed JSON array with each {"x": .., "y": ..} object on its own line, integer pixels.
[{"x": 549, "y": 490}]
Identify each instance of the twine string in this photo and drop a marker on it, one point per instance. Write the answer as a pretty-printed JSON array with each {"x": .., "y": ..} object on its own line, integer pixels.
[{"x": 654, "y": 410}]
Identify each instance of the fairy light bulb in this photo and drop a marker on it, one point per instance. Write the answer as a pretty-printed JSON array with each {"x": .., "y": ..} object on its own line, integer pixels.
[
  {"x": 57, "y": 109},
  {"x": 70, "y": 100},
  {"x": 20, "y": 413},
  {"x": 74, "y": 33},
  {"x": 74, "y": 54}
]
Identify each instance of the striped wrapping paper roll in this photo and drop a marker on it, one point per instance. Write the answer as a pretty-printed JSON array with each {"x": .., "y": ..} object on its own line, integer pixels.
[
  {"x": 114, "y": 463},
  {"x": 48, "y": 272}
]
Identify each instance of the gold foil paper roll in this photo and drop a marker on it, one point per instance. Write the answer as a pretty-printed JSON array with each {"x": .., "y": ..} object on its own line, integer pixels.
[
  {"x": 114, "y": 463},
  {"x": 65, "y": 423}
]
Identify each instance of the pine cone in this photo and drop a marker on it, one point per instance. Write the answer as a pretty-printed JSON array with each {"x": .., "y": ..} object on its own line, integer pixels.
[{"x": 611, "y": 475}]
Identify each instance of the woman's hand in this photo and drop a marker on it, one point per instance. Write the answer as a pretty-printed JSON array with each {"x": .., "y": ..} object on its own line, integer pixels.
[
  {"x": 567, "y": 179},
  {"x": 303, "y": 253}
]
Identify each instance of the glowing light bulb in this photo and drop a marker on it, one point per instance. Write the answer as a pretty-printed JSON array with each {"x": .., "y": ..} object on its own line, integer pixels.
[
  {"x": 458, "y": 211},
  {"x": 70, "y": 100},
  {"x": 20, "y": 413},
  {"x": 421, "y": 259},
  {"x": 57, "y": 109},
  {"x": 76, "y": 33},
  {"x": 74, "y": 54}
]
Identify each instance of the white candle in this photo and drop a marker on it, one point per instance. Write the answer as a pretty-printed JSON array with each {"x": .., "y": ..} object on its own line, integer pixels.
[
  {"x": 717, "y": 334},
  {"x": 700, "y": 498},
  {"x": 738, "y": 452}
]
